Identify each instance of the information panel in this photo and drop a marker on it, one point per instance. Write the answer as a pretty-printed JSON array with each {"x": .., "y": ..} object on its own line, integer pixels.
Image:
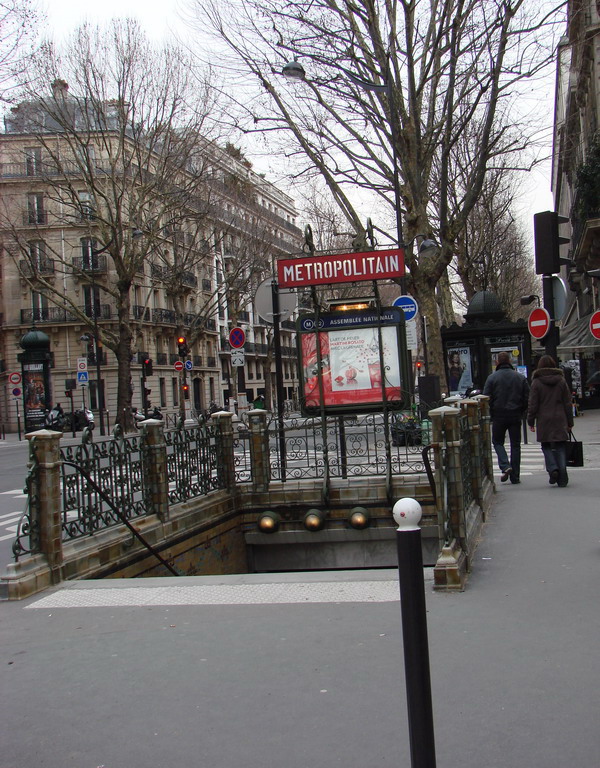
[{"x": 345, "y": 369}]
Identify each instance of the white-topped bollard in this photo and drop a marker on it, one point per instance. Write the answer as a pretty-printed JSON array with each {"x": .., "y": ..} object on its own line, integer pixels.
[{"x": 407, "y": 514}]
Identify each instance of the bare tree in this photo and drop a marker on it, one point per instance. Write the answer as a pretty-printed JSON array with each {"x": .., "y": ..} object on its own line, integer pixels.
[
  {"x": 449, "y": 70},
  {"x": 123, "y": 161},
  {"x": 19, "y": 21}
]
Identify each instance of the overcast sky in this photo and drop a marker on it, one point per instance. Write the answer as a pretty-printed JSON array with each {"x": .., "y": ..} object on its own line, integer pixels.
[{"x": 160, "y": 18}]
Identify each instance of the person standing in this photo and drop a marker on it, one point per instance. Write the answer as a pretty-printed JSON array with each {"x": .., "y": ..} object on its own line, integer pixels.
[
  {"x": 508, "y": 391},
  {"x": 550, "y": 411}
]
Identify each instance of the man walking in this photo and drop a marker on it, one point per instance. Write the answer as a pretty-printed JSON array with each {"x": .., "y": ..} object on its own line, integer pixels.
[{"x": 509, "y": 394}]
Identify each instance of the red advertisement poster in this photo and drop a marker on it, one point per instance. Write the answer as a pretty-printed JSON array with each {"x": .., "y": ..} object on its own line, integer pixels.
[{"x": 351, "y": 367}]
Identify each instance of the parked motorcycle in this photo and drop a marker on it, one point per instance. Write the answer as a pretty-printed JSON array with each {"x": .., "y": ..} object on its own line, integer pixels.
[{"x": 55, "y": 418}]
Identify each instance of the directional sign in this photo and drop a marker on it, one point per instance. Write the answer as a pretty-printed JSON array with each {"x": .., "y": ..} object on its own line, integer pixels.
[
  {"x": 14, "y": 378},
  {"x": 178, "y": 365},
  {"x": 237, "y": 338},
  {"x": 188, "y": 365},
  {"x": 408, "y": 305},
  {"x": 237, "y": 358},
  {"x": 595, "y": 324},
  {"x": 82, "y": 377},
  {"x": 539, "y": 323}
]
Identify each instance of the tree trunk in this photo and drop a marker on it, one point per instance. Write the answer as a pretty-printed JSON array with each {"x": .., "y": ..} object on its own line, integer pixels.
[
  {"x": 428, "y": 306},
  {"x": 124, "y": 382}
]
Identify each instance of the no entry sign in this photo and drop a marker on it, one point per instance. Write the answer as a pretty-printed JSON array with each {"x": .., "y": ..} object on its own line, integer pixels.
[
  {"x": 178, "y": 365},
  {"x": 595, "y": 325},
  {"x": 539, "y": 323}
]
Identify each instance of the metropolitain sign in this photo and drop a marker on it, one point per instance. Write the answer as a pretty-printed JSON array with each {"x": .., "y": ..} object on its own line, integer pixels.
[{"x": 343, "y": 268}]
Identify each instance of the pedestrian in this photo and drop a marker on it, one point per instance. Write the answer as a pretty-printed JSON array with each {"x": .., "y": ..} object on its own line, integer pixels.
[
  {"x": 508, "y": 391},
  {"x": 551, "y": 412}
]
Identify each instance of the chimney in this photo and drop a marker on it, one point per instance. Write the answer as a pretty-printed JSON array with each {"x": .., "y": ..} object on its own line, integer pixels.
[{"x": 59, "y": 88}]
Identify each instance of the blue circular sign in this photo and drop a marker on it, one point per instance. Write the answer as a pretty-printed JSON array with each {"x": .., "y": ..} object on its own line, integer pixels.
[
  {"x": 189, "y": 365},
  {"x": 408, "y": 305},
  {"x": 237, "y": 338}
]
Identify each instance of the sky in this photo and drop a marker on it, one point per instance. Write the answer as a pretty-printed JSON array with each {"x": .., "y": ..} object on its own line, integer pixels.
[{"x": 162, "y": 18}]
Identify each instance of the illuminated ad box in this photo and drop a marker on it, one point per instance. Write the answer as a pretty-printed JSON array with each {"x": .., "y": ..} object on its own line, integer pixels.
[{"x": 341, "y": 356}]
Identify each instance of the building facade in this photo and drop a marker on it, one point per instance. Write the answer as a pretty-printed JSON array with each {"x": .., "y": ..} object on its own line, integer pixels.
[{"x": 196, "y": 252}]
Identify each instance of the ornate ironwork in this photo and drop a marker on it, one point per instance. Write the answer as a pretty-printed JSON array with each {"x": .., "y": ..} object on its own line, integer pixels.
[
  {"x": 116, "y": 467},
  {"x": 192, "y": 466},
  {"x": 466, "y": 460},
  {"x": 27, "y": 541}
]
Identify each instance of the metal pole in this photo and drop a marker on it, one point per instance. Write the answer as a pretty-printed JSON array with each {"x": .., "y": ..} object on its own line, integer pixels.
[
  {"x": 278, "y": 375},
  {"x": 552, "y": 337},
  {"x": 407, "y": 513},
  {"x": 99, "y": 392},
  {"x": 18, "y": 420}
]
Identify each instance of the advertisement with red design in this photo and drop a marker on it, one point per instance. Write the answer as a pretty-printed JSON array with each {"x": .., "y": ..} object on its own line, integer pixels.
[{"x": 350, "y": 363}]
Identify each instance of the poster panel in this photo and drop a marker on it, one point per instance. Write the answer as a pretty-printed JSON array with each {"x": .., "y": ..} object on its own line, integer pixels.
[
  {"x": 351, "y": 376},
  {"x": 460, "y": 374},
  {"x": 514, "y": 350},
  {"x": 34, "y": 394}
]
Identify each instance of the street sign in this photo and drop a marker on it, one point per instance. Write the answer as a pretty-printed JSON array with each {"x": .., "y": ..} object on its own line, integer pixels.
[
  {"x": 16, "y": 392},
  {"x": 303, "y": 271},
  {"x": 82, "y": 377},
  {"x": 237, "y": 338},
  {"x": 411, "y": 334},
  {"x": 237, "y": 358},
  {"x": 538, "y": 323},
  {"x": 178, "y": 365},
  {"x": 408, "y": 305},
  {"x": 595, "y": 324},
  {"x": 188, "y": 365},
  {"x": 14, "y": 378},
  {"x": 263, "y": 301},
  {"x": 82, "y": 364}
]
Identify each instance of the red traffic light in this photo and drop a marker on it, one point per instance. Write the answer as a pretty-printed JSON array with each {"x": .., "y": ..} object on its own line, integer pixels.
[
  {"x": 181, "y": 340},
  {"x": 69, "y": 393},
  {"x": 419, "y": 364}
]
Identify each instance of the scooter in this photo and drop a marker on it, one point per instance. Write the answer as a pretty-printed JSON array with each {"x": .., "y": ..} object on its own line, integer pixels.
[{"x": 55, "y": 419}]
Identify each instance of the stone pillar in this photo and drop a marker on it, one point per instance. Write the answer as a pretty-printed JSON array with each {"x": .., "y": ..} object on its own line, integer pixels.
[
  {"x": 154, "y": 457},
  {"x": 450, "y": 569},
  {"x": 223, "y": 421},
  {"x": 259, "y": 449},
  {"x": 44, "y": 445}
]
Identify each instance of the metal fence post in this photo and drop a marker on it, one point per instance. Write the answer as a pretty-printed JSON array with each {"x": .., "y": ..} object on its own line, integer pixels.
[
  {"x": 154, "y": 457},
  {"x": 223, "y": 421},
  {"x": 407, "y": 514},
  {"x": 259, "y": 449}
]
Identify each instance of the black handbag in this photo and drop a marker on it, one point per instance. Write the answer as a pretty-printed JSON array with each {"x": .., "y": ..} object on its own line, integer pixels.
[{"x": 574, "y": 452}]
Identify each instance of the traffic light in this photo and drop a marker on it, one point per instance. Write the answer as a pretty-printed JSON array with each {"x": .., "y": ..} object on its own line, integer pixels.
[
  {"x": 69, "y": 393},
  {"x": 147, "y": 367},
  {"x": 186, "y": 391},
  {"x": 147, "y": 398},
  {"x": 182, "y": 345},
  {"x": 548, "y": 242},
  {"x": 419, "y": 365}
]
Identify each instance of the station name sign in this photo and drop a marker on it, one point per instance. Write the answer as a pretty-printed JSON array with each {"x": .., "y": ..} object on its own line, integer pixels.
[{"x": 342, "y": 268}]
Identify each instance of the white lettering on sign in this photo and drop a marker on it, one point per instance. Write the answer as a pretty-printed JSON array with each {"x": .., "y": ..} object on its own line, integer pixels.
[{"x": 351, "y": 267}]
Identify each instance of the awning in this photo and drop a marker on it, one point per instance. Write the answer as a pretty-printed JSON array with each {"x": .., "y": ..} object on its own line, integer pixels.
[{"x": 576, "y": 335}]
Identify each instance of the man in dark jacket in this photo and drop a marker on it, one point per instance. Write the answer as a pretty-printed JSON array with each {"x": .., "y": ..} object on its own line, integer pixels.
[{"x": 509, "y": 393}]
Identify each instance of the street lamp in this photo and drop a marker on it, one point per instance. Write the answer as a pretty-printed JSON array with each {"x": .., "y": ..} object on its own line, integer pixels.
[
  {"x": 295, "y": 71},
  {"x": 527, "y": 300}
]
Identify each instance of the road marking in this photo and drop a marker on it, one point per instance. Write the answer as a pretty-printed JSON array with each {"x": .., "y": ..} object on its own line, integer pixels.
[{"x": 18, "y": 492}]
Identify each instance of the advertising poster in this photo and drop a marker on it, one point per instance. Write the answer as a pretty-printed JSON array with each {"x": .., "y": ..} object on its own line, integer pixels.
[
  {"x": 34, "y": 395},
  {"x": 513, "y": 351},
  {"x": 350, "y": 366},
  {"x": 460, "y": 377}
]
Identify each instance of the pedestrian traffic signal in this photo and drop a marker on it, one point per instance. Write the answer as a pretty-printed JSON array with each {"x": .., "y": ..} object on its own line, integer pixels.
[
  {"x": 548, "y": 242},
  {"x": 147, "y": 366},
  {"x": 69, "y": 393},
  {"x": 419, "y": 364},
  {"x": 182, "y": 346}
]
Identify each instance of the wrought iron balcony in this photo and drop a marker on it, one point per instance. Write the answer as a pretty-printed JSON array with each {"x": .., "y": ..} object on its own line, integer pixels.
[
  {"x": 35, "y": 218},
  {"x": 93, "y": 263},
  {"x": 141, "y": 313},
  {"x": 41, "y": 267},
  {"x": 162, "y": 358},
  {"x": 211, "y": 362},
  {"x": 62, "y": 315},
  {"x": 197, "y": 360},
  {"x": 164, "y": 317}
]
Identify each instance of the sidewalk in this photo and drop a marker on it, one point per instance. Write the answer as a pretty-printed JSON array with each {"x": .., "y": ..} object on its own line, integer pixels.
[{"x": 299, "y": 670}]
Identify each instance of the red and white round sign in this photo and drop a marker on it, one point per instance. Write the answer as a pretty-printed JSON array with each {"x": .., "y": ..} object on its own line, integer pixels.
[
  {"x": 178, "y": 365},
  {"x": 14, "y": 378},
  {"x": 595, "y": 324},
  {"x": 539, "y": 323}
]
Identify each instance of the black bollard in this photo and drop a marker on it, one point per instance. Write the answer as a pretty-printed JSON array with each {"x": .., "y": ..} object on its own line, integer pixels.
[{"x": 407, "y": 513}]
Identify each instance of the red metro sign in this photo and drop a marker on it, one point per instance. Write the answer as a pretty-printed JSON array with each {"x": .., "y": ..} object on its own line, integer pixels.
[{"x": 341, "y": 268}]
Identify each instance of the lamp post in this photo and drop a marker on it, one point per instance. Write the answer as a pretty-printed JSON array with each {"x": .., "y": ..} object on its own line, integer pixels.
[{"x": 295, "y": 71}]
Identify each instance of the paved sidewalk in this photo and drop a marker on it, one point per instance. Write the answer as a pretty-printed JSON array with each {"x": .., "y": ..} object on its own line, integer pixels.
[{"x": 305, "y": 670}]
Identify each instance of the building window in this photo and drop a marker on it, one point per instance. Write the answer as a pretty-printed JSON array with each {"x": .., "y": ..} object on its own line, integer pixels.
[
  {"x": 33, "y": 161},
  {"x": 175, "y": 390},
  {"x": 162, "y": 387},
  {"x": 39, "y": 307},
  {"x": 89, "y": 259},
  {"x": 37, "y": 254},
  {"x": 86, "y": 205},
  {"x": 35, "y": 208},
  {"x": 91, "y": 300}
]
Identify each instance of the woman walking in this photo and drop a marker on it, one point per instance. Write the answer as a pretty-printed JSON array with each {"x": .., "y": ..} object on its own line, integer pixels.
[{"x": 551, "y": 411}]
